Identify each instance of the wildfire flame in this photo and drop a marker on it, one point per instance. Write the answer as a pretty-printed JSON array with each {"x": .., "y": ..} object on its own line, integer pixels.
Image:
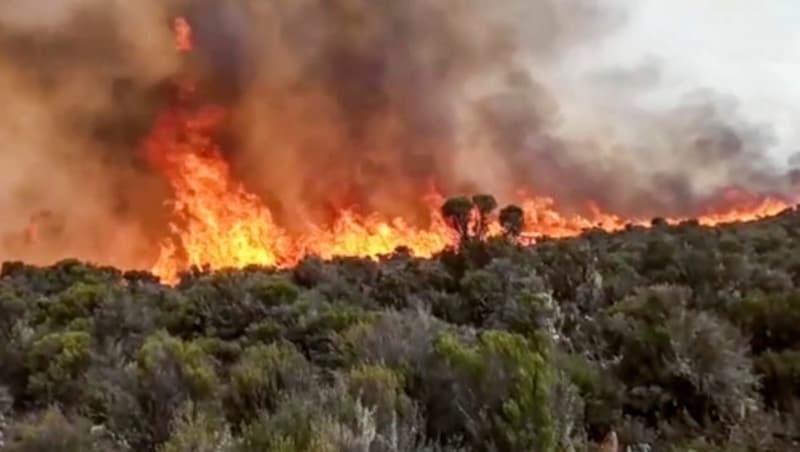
[
  {"x": 183, "y": 35},
  {"x": 219, "y": 224}
]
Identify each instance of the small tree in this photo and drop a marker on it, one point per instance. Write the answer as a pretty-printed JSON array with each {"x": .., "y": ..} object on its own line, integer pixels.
[
  {"x": 485, "y": 205},
  {"x": 512, "y": 219},
  {"x": 458, "y": 212},
  {"x": 471, "y": 217}
]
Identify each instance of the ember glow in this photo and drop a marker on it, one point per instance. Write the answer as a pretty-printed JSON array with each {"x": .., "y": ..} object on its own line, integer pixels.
[
  {"x": 218, "y": 223},
  {"x": 183, "y": 35}
]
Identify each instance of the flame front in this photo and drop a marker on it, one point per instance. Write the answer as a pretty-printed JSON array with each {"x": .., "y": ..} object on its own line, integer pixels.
[{"x": 219, "y": 224}]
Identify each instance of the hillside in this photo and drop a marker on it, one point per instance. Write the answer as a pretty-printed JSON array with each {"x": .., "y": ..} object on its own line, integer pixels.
[{"x": 674, "y": 337}]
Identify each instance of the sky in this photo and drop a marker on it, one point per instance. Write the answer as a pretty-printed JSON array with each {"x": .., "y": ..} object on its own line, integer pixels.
[{"x": 746, "y": 48}]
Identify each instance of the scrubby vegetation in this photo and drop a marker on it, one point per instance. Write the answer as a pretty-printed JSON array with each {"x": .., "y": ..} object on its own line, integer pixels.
[{"x": 670, "y": 338}]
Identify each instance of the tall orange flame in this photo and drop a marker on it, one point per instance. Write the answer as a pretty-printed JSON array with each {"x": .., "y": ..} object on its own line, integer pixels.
[
  {"x": 219, "y": 224},
  {"x": 183, "y": 35}
]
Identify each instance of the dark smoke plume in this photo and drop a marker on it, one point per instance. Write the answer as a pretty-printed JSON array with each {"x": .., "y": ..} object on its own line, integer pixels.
[
  {"x": 343, "y": 102},
  {"x": 79, "y": 80},
  {"x": 366, "y": 102}
]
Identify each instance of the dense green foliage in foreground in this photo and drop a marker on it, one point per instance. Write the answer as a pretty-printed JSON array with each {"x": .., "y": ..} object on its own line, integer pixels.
[{"x": 674, "y": 337}]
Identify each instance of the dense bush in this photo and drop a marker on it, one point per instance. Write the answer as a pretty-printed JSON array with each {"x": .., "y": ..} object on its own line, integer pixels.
[{"x": 674, "y": 337}]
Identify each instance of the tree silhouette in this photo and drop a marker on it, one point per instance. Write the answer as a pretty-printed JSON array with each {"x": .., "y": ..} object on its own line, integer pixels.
[
  {"x": 512, "y": 219},
  {"x": 485, "y": 205},
  {"x": 458, "y": 212}
]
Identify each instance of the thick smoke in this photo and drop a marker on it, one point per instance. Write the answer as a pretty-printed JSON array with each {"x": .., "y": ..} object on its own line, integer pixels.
[
  {"x": 77, "y": 79},
  {"x": 369, "y": 102},
  {"x": 350, "y": 102}
]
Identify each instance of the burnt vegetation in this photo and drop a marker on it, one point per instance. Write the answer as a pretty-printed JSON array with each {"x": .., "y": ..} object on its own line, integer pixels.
[{"x": 668, "y": 338}]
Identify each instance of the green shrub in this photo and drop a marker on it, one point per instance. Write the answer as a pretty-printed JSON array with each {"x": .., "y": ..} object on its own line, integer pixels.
[
  {"x": 318, "y": 329},
  {"x": 12, "y": 309},
  {"x": 224, "y": 305},
  {"x": 381, "y": 390},
  {"x": 162, "y": 351},
  {"x": 265, "y": 331},
  {"x": 600, "y": 392},
  {"x": 770, "y": 320},
  {"x": 273, "y": 291},
  {"x": 496, "y": 392},
  {"x": 295, "y": 427},
  {"x": 51, "y": 431},
  {"x": 402, "y": 341},
  {"x": 198, "y": 430},
  {"x": 56, "y": 363},
  {"x": 78, "y": 301},
  {"x": 224, "y": 352},
  {"x": 780, "y": 378},
  {"x": 262, "y": 375},
  {"x": 679, "y": 362}
]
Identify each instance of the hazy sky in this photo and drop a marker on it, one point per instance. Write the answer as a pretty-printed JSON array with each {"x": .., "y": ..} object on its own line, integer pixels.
[{"x": 747, "y": 48}]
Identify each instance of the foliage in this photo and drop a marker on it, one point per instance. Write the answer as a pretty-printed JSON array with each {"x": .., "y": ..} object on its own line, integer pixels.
[
  {"x": 670, "y": 337},
  {"x": 499, "y": 389},
  {"x": 471, "y": 217},
  {"x": 161, "y": 351},
  {"x": 262, "y": 375},
  {"x": 512, "y": 219},
  {"x": 56, "y": 363},
  {"x": 51, "y": 430},
  {"x": 198, "y": 430}
]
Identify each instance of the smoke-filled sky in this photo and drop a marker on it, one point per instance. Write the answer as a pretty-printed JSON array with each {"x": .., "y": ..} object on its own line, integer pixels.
[
  {"x": 746, "y": 48},
  {"x": 643, "y": 106}
]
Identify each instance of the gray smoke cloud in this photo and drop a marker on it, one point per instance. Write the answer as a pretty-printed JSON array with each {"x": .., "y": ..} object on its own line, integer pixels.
[
  {"x": 343, "y": 102},
  {"x": 76, "y": 78},
  {"x": 365, "y": 101}
]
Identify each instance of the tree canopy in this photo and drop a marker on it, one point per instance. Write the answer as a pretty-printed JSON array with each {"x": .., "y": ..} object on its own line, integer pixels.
[{"x": 674, "y": 338}]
